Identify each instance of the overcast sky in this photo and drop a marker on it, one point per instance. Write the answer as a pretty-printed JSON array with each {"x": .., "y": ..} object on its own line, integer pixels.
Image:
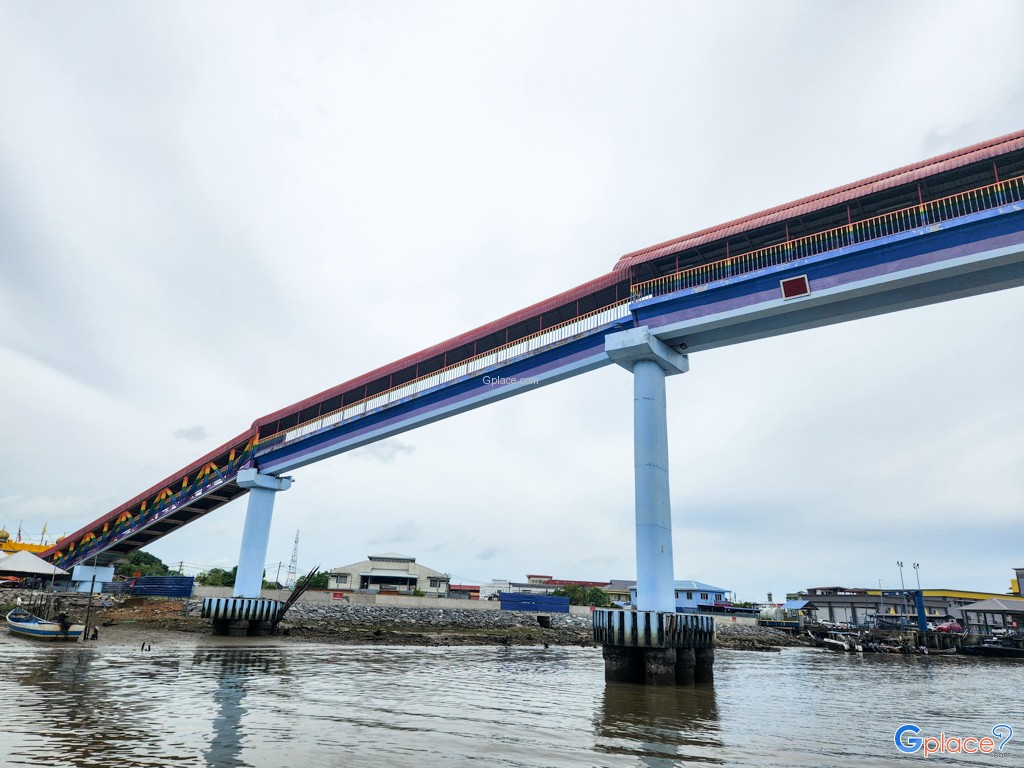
[{"x": 210, "y": 211}]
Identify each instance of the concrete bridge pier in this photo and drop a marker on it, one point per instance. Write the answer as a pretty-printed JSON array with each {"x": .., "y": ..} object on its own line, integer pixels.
[
  {"x": 247, "y": 613},
  {"x": 655, "y": 647},
  {"x": 704, "y": 663},
  {"x": 653, "y": 644}
]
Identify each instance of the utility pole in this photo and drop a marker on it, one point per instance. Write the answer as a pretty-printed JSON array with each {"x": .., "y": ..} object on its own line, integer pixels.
[{"x": 903, "y": 589}]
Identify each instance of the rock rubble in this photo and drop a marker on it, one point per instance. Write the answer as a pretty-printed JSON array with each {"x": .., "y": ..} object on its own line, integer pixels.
[
  {"x": 747, "y": 638},
  {"x": 426, "y": 626}
]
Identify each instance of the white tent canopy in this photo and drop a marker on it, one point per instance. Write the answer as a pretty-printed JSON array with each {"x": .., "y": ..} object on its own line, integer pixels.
[{"x": 26, "y": 564}]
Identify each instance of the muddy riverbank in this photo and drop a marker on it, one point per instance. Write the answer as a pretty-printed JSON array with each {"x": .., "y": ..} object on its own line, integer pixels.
[{"x": 147, "y": 620}]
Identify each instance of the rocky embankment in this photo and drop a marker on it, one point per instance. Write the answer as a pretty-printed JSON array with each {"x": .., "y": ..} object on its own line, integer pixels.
[
  {"x": 369, "y": 624},
  {"x": 388, "y": 625},
  {"x": 746, "y": 638}
]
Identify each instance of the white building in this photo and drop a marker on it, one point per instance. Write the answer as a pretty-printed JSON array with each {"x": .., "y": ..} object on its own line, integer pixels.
[{"x": 389, "y": 573}]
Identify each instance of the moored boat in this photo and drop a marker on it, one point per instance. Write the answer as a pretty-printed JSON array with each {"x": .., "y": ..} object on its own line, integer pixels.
[
  {"x": 839, "y": 641},
  {"x": 23, "y": 623},
  {"x": 998, "y": 649}
]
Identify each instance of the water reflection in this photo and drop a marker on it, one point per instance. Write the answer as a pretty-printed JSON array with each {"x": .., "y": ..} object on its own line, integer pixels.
[
  {"x": 85, "y": 702},
  {"x": 234, "y": 672},
  {"x": 306, "y": 705},
  {"x": 660, "y": 726}
]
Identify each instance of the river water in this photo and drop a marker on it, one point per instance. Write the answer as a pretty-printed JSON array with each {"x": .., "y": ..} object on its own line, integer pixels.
[{"x": 205, "y": 703}]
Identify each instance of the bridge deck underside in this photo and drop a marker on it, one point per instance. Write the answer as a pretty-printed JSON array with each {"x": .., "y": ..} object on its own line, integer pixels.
[{"x": 172, "y": 521}]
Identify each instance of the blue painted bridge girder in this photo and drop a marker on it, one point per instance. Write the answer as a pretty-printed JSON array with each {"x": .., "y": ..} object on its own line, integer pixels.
[
  {"x": 965, "y": 257},
  {"x": 544, "y": 367}
]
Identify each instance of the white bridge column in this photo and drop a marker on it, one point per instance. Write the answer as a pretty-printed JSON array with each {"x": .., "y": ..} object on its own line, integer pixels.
[
  {"x": 650, "y": 360},
  {"x": 256, "y": 533}
]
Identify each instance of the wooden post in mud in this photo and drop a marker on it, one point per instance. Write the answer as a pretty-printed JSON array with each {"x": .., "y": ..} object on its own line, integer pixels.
[{"x": 88, "y": 606}]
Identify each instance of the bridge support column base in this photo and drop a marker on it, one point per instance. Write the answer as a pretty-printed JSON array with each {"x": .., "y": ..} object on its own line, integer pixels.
[
  {"x": 621, "y": 665},
  {"x": 704, "y": 666},
  {"x": 644, "y": 666},
  {"x": 655, "y": 648},
  {"x": 241, "y": 616},
  {"x": 686, "y": 659},
  {"x": 242, "y": 628}
]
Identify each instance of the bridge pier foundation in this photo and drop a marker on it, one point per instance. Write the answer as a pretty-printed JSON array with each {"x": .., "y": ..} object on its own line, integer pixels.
[
  {"x": 704, "y": 664},
  {"x": 686, "y": 661},
  {"x": 655, "y": 648},
  {"x": 247, "y": 613},
  {"x": 652, "y": 645}
]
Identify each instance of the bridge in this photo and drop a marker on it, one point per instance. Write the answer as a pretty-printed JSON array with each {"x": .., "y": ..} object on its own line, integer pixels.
[{"x": 941, "y": 229}]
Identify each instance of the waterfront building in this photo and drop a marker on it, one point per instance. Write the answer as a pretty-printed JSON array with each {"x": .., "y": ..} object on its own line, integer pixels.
[
  {"x": 389, "y": 573},
  {"x": 495, "y": 587},
  {"x": 464, "y": 591},
  {"x": 618, "y": 590},
  {"x": 997, "y": 614},
  {"x": 857, "y": 605},
  {"x": 695, "y": 597},
  {"x": 1017, "y": 582},
  {"x": 538, "y": 584},
  {"x": 562, "y": 583}
]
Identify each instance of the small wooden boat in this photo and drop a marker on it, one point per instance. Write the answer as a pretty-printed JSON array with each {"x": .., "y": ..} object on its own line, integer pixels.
[{"x": 23, "y": 623}]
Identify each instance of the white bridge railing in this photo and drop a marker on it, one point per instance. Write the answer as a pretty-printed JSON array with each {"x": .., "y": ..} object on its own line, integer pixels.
[{"x": 509, "y": 353}]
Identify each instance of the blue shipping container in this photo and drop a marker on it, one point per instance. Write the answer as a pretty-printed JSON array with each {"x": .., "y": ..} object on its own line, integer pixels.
[
  {"x": 516, "y": 601},
  {"x": 163, "y": 586}
]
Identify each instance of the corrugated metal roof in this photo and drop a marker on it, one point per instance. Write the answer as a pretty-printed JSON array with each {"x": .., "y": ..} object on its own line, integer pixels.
[
  {"x": 26, "y": 563},
  {"x": 996, "y": 605},
  {"x": 835, "y": 196},
  {"x": 689, "y": 585},
  {"x": 795, "y": 605}
]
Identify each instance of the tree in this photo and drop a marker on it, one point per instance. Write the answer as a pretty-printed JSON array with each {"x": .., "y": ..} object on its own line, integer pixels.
[
  {"x": 319, "y": 581},
  {"x": 217, "y": 577},
  {"x": 580, "y": 595},
  {"x": 142, "y": 563}
]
